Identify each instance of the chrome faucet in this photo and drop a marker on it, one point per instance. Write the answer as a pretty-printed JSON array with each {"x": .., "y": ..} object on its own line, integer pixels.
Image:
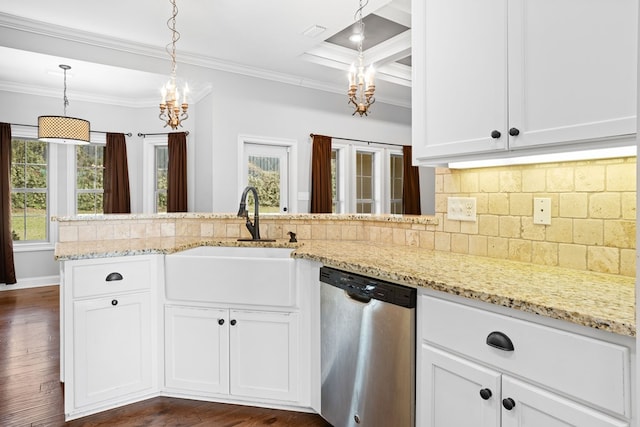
[{"x": 254, "y": 228}]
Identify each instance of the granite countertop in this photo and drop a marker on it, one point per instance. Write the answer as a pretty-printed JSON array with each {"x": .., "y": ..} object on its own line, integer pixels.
[{"x": 597, "y": 300}]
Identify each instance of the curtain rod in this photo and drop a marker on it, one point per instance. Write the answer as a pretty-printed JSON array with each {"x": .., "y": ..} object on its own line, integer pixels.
[
  {"x": 93, "y": 131},
  {"x": 361, "y": 140},
  {"x": 186, "y": 132}
]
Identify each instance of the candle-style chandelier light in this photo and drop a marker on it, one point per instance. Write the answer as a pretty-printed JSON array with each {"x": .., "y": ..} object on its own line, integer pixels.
[
  {"x": 361, "y": 82},
  {"x": 170, "y": 108}
]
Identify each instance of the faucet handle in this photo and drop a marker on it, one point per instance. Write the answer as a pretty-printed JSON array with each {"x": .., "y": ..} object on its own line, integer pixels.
[{"x": 292, "y": 237}]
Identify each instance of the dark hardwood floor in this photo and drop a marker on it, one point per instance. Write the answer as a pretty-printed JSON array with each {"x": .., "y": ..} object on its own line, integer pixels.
[{"x": 31, "y": 393}]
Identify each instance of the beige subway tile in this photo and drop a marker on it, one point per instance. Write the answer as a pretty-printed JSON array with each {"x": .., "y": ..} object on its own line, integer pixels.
[
  {"x": 469, "y": 182},
  {"x": 488, "y": 225},
  {"x": 460, "y": 243},
  {"x": 412, "y": 238},
  {"x": 497, "y": 247},
  {"x": 628, "y": 201},
  {"x": 628, "y": 262},
  {"x": 451, "y": 183},
  {"x": 206, "y": 229},
  {"x": 220, "y": 230},
  {"x": 603, "y": 259},
  {"x": 482, "y": 203},
  {"x": 620, "y": 234},
  {"x": 121, "y": 231},
  {"x": 107, "y": 232},
  {"x": 511, "y": 180},
  {"x": 399, "y": 236},
  {"x": 153, "y": 229},
  {"x": 605, "y": 205},
  {"x": 386, "y": 235},
  {"x": 87, "y": 232},
  {"x": 560, "y": 179},
  {"x": 545, "y": 253},
  {"x": 573, "y": 205},
  {"x": 478, "y": 245},
  {"x": 560, "y": 230},
  {"x": 68, "y": 233},
  {"x": 374, "y": 234},
  {"x": 349, "y": 232},
  {"x": 534, "y": 180},
  {"x": 233, "y": 231},
  {"x": 572, "y": 256},
  {"x": 275, "y": 230},
  {"x": 521, "y": 204},
  {"x": 621, "y": 177},
  {"x": 303, "y": 231},
  {"x": 469, "y": 227},
  {"x": 441, "y": 202},
  {"x": 138, "y": 231},
  {"x": 531, "y": 231},
  {"x": 588, "y": 231},
  {"x": 427, "y": 239},
  {"x": 167, "y": 229},
  {"x": 510, "y": 226},
  {"x": 439, "y": 183},
  {"x": 442, "y": 241},
  {"x": 590, "y": 178},
  {"x": 362, "y": 233},
  {"x": 489, "y": 181},
  {"x": 451, "y": 225},
  {"x": 318, "y": 232},
  {"x": 520, "y": 250},
  {"x": 499, "y": 204}
]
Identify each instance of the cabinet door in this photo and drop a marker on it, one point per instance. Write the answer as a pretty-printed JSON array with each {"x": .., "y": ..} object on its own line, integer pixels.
[
  {"x": 449, "y": 392},
  {"x": 197, "y": 349},
  {"x": 535, "y": 407},
  {"x": 264, "y": 354},
  {"x": 112, "y": 348},
  {"x": 572, "y": 70},
  {"x": 459, "y": 87}
]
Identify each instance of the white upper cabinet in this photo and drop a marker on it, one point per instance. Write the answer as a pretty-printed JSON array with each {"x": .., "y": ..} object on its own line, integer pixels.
[{"x": 498, "y": 78}]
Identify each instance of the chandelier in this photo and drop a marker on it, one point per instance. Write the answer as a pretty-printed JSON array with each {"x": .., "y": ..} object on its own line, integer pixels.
[
  {"x": 361, "y": 81},
  {"x": 170, "y": 107},
  {"x": 63, "y": 129}
]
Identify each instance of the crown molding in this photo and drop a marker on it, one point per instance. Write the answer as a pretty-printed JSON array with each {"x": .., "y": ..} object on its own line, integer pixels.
[{"x": 63, "y": 33}]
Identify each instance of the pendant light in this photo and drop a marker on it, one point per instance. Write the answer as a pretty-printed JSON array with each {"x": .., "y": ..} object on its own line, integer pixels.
[{"x": 63, "y": 129}]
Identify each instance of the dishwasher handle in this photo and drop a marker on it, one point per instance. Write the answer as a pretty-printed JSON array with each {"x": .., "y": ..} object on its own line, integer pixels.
[{"x": 358, "y": 297}]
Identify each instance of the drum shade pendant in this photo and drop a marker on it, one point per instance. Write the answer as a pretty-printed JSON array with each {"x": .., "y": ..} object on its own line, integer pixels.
[{"x": 63, "y": 129}]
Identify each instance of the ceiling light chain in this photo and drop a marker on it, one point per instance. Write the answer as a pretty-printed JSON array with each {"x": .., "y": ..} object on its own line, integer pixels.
[
  {"x": 361, "y": 82},
  {"x": 170, "y": 105}
]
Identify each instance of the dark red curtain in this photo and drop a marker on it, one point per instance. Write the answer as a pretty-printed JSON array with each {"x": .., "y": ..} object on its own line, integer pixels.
[
  {"x": 321, "y": 197},
  {"x": 7, "y": 268},
  {"x": 410, "y": 184},
  {"x": 177, "y": 173},
  {"x": 117, "y": 198}
]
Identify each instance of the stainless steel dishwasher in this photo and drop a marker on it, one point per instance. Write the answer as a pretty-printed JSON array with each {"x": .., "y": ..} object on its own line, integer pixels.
[{"x": 367, "y": 351}]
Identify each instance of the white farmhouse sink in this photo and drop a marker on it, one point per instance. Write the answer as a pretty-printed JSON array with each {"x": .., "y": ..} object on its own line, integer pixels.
[{"x": 231, "y": 275}]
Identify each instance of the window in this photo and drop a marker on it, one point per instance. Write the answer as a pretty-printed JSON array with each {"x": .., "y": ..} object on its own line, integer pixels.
[
  {"x": 366, "y": 179},
  {"x": 89, "y": 179},
  {"x": 266, "y": 164},
  {"x": 161, "y": 177},
  {"x": 29, "y": 190}
]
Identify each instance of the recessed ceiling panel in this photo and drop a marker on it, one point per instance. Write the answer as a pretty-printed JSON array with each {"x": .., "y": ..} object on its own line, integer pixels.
[{"x": 376, "y": 30}]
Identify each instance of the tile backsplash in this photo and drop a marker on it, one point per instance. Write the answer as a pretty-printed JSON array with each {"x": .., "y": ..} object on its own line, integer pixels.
[{"x": 593, "y": 213}]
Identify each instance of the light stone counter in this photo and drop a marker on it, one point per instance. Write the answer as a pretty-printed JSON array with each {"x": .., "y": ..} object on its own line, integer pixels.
[{"x": 596, "y": 300}]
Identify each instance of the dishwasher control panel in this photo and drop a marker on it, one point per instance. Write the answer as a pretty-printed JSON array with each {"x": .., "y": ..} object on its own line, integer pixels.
[{"x": 367, "y": 287}]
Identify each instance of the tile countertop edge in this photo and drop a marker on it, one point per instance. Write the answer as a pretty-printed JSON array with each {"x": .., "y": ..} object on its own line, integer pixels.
[{"x": 454, "y": 274}]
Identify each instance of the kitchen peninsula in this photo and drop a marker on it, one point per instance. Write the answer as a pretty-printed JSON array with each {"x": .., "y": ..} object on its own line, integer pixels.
[{"x": 394, "y": 248}]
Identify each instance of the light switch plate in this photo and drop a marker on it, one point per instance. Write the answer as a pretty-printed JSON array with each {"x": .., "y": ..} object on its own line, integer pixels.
[
  {"x": 461, "y": 208},
  {"x": 542, "y": 210}
]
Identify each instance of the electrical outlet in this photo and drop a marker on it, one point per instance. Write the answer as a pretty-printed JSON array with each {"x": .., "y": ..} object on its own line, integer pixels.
[
  {"x": 542, "y": 210},
  {"x": 461, "y": 208}
]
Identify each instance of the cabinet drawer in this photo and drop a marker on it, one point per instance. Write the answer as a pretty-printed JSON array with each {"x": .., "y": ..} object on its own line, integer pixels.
[
  {"x": 594, "y": 371},
  {"x": 107, "y": 276}
]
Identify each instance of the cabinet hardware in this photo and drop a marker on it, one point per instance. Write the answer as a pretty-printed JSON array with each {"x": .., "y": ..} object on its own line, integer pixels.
[
  {"x": 112, "y": 277},
  {"x": 508, "y": 403},
  {"x": 485, "y": 393},
  {"x": 114, "y": 302},
  {"x": 500, "y": 341},
  {"x": 220, "y": 322},
  {"x": 233, "y": 322},
  {"x": 495, "y": 134},
  {"x": 514, "y": 132}
]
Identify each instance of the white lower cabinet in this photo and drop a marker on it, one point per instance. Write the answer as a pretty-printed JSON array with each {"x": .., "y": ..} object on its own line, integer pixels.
[
  {"x": 239, "y": 353},
  {"x": 109, "y": 333},
  {"x": 459, "y": 392},
  {"x": 484, "y": 369}
]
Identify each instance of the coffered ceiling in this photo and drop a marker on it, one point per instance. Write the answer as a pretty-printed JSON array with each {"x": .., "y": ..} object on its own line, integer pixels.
[{"x": 301, "y": 42}]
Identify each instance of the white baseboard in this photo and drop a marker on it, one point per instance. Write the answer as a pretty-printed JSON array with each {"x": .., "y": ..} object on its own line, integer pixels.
[{"x": 31, "y": 282}]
